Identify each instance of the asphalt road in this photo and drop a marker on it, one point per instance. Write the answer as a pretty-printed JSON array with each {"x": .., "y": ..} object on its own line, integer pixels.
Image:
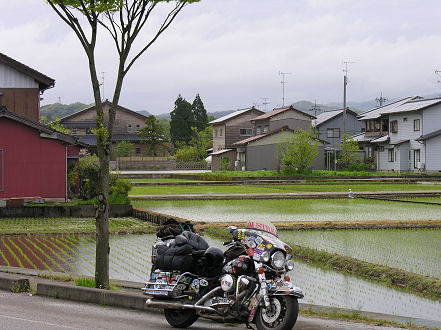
[{"x": 21, "y": 311}]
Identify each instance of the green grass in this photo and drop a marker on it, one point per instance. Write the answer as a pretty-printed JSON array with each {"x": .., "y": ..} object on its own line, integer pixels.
[
  {"x": 226, "y": 175},
  {"x": 159, "y": 180},
  {"x": 70, "y": 225},
  {"x": 244, "y": 189}
]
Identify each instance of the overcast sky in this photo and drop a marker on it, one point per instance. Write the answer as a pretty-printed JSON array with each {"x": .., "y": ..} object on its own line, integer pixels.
[{"x": 231, "y": 51}]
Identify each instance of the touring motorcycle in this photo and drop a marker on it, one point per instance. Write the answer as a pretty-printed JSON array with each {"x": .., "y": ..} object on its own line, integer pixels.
[{"x": 246, "y": 284}]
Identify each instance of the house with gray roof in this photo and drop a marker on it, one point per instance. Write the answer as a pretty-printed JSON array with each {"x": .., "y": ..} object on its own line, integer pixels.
[
  {"x": 404, "y": 135},
  {"x": 330, "y": 125}
]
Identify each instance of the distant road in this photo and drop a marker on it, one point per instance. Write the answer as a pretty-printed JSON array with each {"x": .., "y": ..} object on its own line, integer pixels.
[{"x": 23, "y": 312}]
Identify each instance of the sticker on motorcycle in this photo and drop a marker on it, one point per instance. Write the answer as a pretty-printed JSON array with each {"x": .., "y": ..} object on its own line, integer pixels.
[
  {"x": 269, "y": 246},
  {"x": 258, "y": 240},
  {"x": 251, "y": 244},
  {"x": 250, "y": 252},
  {"x": 203, "y": 282}
]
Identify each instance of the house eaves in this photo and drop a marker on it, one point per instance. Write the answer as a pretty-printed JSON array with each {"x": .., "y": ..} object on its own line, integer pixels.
[
  {"x": 328, "y": 115},
  {"x": 44, "y": 82},
  {"x": 233, "y": 115},
  {"x": 429, "y": 136},
  {"x": 278, "y": 111}
]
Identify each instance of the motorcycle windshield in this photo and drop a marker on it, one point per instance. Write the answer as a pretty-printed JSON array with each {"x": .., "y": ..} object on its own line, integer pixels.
[{"x": 263, "y": 225}]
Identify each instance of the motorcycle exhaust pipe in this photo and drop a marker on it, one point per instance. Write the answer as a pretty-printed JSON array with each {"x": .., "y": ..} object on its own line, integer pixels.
[{"x": 177, "y": 305}]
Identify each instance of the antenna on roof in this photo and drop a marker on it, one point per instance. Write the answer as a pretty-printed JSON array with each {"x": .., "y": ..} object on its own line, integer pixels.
[
  {"x": 283, "y": 82},
  {"x": 381, "y": 99},
  {"x": 315, "y": 108},
  {"x": 438, "y": 73},
  {"x": 265, "y": 101},
  {"x": 102, "y": 84}
]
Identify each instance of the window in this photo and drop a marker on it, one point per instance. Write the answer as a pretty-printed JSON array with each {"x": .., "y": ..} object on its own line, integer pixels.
[
  {"x": 137, "y": 150},
  {"x": 74, "y": 131},
  {"x": 215, "y": 132},
  {"x": 363, "y": 129},
  {"x": 416, "y": 125},
  {"x": 381, "y": 149},
  {"x": 390, "y": 153},
  {"x": 246, "y": 131},
  {"x": 385, "y": 125},
  {"x": 258, "y": 130},
  {"x": 221, "y": 132},
  {"x": 129, "y": 127},
  {"x": 333, "y": 132},
  {"x": 377, "y": 125},
  {"x": 416, "y": 158},
  {"x": 89, "y": 131},
  {"x": 394, "y": 126},
  {"x": 138, "y": 127},
  {"x": 368, "y": 151},
  {"x": 265, "y": 129}
]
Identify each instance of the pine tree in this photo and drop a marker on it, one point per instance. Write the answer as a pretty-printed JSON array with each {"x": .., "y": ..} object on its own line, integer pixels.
[
  {"x": 181, "y": 121},
  {"x": 200, "y": 114}
]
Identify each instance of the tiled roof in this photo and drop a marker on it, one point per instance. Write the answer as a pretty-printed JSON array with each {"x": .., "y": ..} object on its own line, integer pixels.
[
  {"x": 405, "y": 105},
  {"x": 277, "y": 111},
  {"x": 220, "y": 152},
  {"x": 327, "y": 115},
  {"x": 106, "y": 102},
  {"x": 232, "y": 115},
  {"x": 44, "y": 82}
]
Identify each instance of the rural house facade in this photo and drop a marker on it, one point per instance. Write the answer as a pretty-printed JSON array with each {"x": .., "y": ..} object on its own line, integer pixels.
[
  {"x": 404, "y": 135},
  {"x": 126, "y": 128}
]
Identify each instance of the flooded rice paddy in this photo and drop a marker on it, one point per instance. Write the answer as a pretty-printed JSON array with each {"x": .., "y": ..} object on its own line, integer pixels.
[
  {"x": 130, "y": 260},
  {"x": 295, "y": 210},
  {"x": 413, "y": 250}
]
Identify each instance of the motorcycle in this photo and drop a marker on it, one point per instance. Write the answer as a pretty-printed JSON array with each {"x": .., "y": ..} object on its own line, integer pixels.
[{"x": 246, "y": 284}]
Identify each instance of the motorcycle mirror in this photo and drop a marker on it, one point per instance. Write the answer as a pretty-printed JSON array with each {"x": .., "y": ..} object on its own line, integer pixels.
[{"x": 231, "y": 229}]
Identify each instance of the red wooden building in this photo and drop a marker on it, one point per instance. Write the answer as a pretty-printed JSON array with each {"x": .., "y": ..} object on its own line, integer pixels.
[{"x": 33, "y": 157}]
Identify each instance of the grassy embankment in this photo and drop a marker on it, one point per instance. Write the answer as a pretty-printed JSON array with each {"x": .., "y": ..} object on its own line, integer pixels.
[
  {"x": 250, "y": 189},
  {"x": 70, "y": 226}
]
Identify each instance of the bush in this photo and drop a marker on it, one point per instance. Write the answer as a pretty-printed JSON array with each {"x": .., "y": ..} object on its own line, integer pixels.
[{"x": 89, "y": 177}]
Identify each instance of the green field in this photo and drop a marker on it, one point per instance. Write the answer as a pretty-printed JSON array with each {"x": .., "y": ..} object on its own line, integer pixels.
[
  {"x": 415, "y": 250},
  {"x": 297, "y": 210},
  {"x": 153, "y": 180},
  {"x": 70, "y": 225},
  {"x": 249, "y": 189}
]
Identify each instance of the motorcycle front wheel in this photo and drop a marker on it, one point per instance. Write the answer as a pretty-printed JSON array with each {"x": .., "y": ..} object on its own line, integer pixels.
[
  {"x": 283, "y": 314},
  {"x": 180, "y": 318}
]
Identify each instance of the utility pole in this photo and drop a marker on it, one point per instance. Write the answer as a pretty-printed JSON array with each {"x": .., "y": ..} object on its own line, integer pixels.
[
  {"x": 345, "y": 83},
  {"x": 283, "y": 82},
  {"x": 381, "y": 99},
  {"x": 265, "y": 101}
]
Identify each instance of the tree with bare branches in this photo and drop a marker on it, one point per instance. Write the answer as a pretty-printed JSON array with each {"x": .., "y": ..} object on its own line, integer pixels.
[{"x": 123, "y": 20}]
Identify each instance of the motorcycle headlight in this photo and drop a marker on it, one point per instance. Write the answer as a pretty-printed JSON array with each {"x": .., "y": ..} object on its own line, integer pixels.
[
  {"x": 289, "y": 265},
  {"x": 278, "y": 259},
  {"x": 265, "y": 257}
]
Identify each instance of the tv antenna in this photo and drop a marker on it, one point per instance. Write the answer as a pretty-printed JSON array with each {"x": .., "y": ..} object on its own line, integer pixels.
[
  {"x": 438, "y": 73},
  {"x": 102, "y": 83},
  {"x": 315, "y": 108},
  {"x": 283, "y": 82},
  {"x": 265, "y": 101},
  {"x": 381, "y": 99},
  {"x": 345, "y": 83}
]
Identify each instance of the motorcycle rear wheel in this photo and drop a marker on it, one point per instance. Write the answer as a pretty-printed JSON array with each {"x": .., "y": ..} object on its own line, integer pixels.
[
  {"x": 285, "y": 318},
  {"x": 180, "y": 318}
]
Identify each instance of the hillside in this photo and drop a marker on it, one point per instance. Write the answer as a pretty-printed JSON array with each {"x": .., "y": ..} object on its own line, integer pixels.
[{"x": 61, "y": 110}]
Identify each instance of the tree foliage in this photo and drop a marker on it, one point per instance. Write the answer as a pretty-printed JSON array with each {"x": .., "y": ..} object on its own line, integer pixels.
[
  {"x": 299, "y": 151},
  {"x": 196, "y": 150},
  {"x": 124, "y": 20},
  {"x": 348, "y": 152},
  {"x": 199, "y": 113},
  {"x": 125, "y": 148},
  {"x": 153, "y": 134},
  {"x": 181, "y": 122}
]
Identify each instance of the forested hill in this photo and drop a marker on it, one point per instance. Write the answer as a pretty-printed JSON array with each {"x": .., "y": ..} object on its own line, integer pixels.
[{"x": 61, "y": 110}]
